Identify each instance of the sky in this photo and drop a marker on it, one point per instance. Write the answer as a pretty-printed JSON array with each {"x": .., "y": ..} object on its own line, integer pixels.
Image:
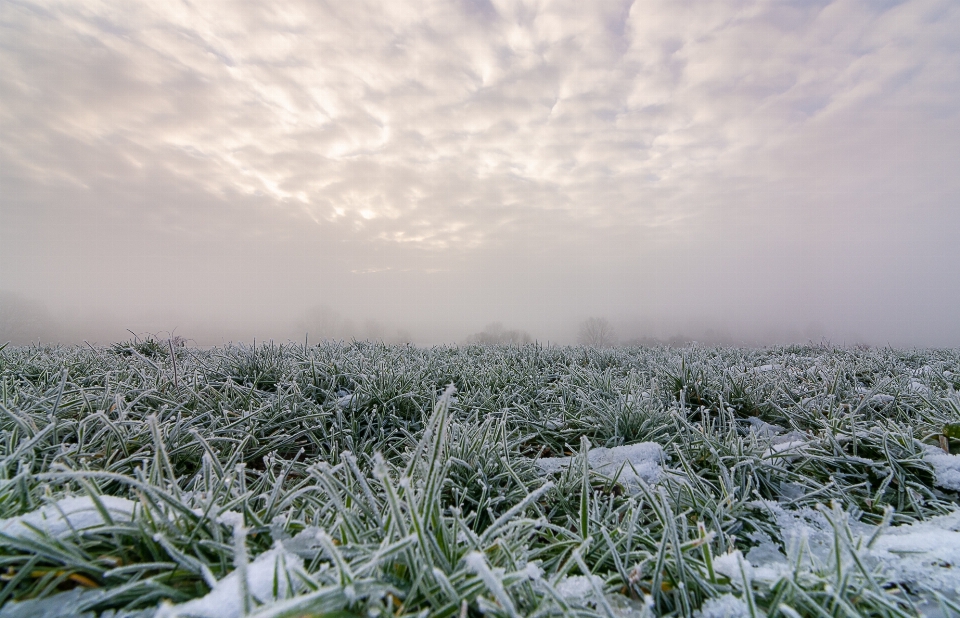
[{"x": 739, "y": 171}]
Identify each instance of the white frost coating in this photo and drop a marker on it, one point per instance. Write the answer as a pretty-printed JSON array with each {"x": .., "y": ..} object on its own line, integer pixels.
[
  {"x": 762, "y": 428},
  {"x": 785, "y": 450},
  {"x": 276, "y": 566},
  {"x": 578, "y": 587},
  {"x": 227, "y": 518},
  {"x": 924, "y": 552},
  {"x": 946, "y": 467},
  {"x": 639, "y": 462},
  {"x": 725, "y": 606},
  {"x": 729, "y": 566},
  {"x": 64, "y": 517},
  {"x": 533, "y": 571},
  {"x": 920, "y": 553},
  {"x": 492, "y": 578}
]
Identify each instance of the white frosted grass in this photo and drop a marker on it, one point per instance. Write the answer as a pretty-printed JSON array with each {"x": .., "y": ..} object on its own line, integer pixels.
[
  {"x": 68, "y": 516},
  {"x": 634, "y": 463},
  {"x": 801, "y": 422},
  {"x": 346, "y": 400},
  {"x": 492, "y": 579},
  {"x": 271, "y": 577},
  {"x": 923, "y": 554}
]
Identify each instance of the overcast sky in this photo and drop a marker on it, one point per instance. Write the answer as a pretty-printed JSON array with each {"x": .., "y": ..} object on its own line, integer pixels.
[{"x": 759, "y": 170}]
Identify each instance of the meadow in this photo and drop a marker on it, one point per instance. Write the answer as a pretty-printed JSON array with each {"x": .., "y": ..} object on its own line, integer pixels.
[{"x": 145, "y": 479}]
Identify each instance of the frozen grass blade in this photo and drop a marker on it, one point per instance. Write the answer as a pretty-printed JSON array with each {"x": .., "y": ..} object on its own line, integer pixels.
[{"x": 404, "y": 495}]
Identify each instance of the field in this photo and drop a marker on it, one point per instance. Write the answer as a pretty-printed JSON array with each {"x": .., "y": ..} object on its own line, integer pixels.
[{"x": 358, "y": 479}]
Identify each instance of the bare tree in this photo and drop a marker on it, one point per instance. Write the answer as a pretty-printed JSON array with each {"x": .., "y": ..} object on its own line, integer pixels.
[
  {"x": 496, "y": 334},
  {"x": 597, "y": 333},
  {"x": 324, "y": 323}
]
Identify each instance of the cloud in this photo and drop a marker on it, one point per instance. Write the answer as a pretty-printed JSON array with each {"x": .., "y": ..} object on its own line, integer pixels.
[{"x": 649, "y": 154}]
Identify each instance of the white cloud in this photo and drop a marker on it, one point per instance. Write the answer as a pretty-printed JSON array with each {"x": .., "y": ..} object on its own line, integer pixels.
[{"x": 446, "y": 134}]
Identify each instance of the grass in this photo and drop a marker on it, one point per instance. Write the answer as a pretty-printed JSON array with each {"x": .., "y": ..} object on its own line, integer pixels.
[{"x": 422, "y": 498}]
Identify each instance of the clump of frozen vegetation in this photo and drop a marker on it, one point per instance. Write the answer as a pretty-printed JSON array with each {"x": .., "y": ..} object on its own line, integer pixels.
[{"x": 144, "y": 480}]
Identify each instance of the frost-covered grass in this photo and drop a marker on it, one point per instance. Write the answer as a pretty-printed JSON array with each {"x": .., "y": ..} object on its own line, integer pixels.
[{"x": 351, "y": 479}]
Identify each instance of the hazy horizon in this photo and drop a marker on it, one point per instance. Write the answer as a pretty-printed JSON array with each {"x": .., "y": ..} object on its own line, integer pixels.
[{"x": 742, "y": 172}]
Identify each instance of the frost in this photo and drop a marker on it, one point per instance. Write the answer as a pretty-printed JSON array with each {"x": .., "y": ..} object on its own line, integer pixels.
[
  {"x": 791, "y": 491},
  {"x": 634, "y": 462},
  {"x": 74, "y": 603},
  {"x": 924, "y": 552},
  {"x": 227, "y": 518},
  {"x": 921, "y": 554},
  {"x": 946, "y": 467},
  {"x": 788, "y": 450},
  {"x": 230, "y": 518},
  {"x": 625, "y": 607},
  {"x": 878, "y": 398},
  {"x": 578, "y": 587},
  {"x": 762, "y": 428},
  {"x": 533, "y": 571},
  {"x": 492, "y": 578},
  {"x": 66, "y": 516},
  {"x": 270, "y": 577},
  {"x": 726, "y": 606}
]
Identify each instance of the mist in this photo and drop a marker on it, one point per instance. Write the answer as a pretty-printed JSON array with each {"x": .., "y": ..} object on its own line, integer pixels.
[{"x": 750, "y": 174}]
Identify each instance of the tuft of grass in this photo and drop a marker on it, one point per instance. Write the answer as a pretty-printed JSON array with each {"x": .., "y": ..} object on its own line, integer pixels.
[{"x": 404, "y": 495}]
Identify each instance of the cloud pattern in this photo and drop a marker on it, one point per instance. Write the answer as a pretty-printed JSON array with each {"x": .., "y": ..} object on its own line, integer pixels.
[{"x": 579, "y": 142}]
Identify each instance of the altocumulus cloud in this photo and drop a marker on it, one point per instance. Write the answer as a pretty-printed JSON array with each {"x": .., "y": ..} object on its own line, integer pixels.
[{"x": 769, "y": 168}]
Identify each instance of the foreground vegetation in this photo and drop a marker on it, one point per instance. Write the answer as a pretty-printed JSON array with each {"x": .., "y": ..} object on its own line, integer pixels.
[{"x": 353, "y": 479}]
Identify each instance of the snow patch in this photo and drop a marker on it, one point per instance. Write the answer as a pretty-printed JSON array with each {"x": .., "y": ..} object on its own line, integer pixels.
[
  {"x": 788, "y": 451},
  {"x": 269, "y": 578},
  {"x": 946, "y": 467},
  {"x": 922, "y": 555},
  {"x": 533, "y": 571},
  {"x": 925, "y": 552},
  {"x": 634, "y": 463},
  {"x": 66, "y": 516},
  {"x": 578, "y": 588},
  {"x": 763, "y": 428},
  {"x": 725, "y": 606},
  {"x": 227, "y": 518}
]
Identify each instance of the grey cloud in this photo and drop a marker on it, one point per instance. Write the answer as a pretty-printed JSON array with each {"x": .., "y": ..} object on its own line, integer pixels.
[{"x": 752, "y": 165}]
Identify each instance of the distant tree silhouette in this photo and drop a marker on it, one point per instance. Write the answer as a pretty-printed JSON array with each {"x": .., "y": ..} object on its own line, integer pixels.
[
  {"x": 597, "y": 333},
  {"x": 496, "y": 334},
  {"x": 324, "y": 323}
]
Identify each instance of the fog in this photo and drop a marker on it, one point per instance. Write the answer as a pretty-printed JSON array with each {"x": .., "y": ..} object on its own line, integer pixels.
[{"x": 750, "y": 173}]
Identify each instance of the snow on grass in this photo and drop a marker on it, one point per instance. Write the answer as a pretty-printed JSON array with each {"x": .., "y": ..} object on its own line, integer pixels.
[
  {"x": 628, "y": 464},
  {"x": 578, "y": 587},
  {"x": 921, "y": 555},
  {"x": 724, "y": 606},
  {"x": 946, "y": 467},
  {"x": 380, "y": 498},
  {"x": 925, "y": 553},
  {"x": 271, "y": 577},
  {"x": 68, "y": 516}
]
